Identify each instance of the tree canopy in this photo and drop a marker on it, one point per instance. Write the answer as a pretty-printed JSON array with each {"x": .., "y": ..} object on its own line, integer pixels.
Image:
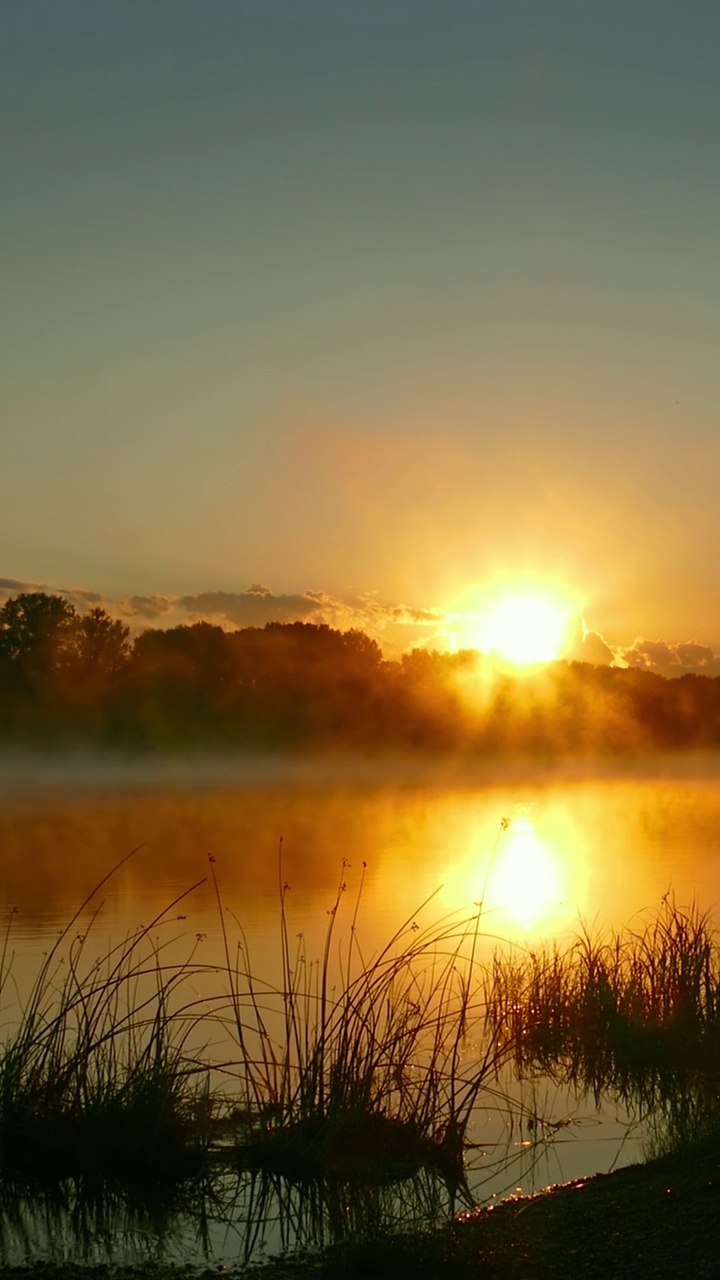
[{"x": 70, "y": 676}]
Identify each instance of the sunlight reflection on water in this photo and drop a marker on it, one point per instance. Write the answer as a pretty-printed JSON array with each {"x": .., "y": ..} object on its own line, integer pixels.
[
  {"x": 581, "y": 847},
  {"x": 528, "y": 878}
]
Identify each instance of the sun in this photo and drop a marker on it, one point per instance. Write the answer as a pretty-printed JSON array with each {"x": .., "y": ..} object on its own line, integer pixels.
[{"x": 524, "y": 626}]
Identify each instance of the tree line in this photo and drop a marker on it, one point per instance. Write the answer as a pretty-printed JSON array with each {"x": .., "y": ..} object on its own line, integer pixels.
[{"x": 67, "y": 678}]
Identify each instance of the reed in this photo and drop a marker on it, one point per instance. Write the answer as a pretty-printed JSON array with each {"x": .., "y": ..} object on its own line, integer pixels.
[
  {"x": 94, "y": 1078},
  {"x": 346, "y": 1067},
  {"x": 634, "y": 1015},
  {"x": 355, "y": 1068}
]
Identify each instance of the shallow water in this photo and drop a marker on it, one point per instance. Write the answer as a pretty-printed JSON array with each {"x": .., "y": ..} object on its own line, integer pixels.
[{"x": 541, "y": 850}]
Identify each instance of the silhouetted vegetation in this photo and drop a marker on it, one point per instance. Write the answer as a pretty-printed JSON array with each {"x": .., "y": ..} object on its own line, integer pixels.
[
  {"x": 344, "y": 1081},
  {"x": 347, "y": 1069},
  {"x": 94, "y": 1077},
  {"x": 635, "y": 1016},
  {"x": 67, "y": 677},
  {"x": 361, "y": 1069}
]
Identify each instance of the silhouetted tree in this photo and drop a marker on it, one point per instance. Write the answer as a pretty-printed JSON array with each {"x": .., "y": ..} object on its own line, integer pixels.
[
  {"x": 182, "y": 684},
  {"x": 36, "y": 633},
  {"x": 101, "y": 645},
  {"x": 65, "y": 674},
  {"x": 58, "y": 669}
]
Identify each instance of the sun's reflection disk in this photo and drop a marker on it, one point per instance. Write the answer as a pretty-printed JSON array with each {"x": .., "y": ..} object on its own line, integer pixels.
[{"x": 527, "y": 880}]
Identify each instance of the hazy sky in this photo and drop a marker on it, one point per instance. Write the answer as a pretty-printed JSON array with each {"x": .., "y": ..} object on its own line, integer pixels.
[{"x": 378, "y": 299}]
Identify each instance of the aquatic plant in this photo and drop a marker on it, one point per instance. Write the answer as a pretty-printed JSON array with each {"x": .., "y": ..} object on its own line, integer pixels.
[
  {"x": 345, "y": 1068},
  {"x": 355, "y": 1068},
  {"x": 94, "y": 1077},
  {"x": 634, "y": 1015}
]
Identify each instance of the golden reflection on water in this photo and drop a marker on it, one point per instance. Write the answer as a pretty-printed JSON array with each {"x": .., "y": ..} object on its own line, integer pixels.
[
  {"x": 530, "y": 876},
  {"x": 543, "y": 855}
]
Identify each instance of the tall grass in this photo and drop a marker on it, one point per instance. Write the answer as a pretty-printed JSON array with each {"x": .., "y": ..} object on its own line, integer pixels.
[
  {"x": 346, "y": 1067},
  {"x": 94, "y": 1076},
  {"x": 354, "y": 1067},
  {"x": 634, "y": 1015}
]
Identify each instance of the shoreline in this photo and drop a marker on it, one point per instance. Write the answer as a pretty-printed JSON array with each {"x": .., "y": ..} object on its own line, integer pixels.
[{"x": 657, "y": 1219}]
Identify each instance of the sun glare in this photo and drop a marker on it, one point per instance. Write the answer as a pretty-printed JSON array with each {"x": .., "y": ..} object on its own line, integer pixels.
[
  {"x": 527, "y": 880},
  {"x": 524, "y": 627}
]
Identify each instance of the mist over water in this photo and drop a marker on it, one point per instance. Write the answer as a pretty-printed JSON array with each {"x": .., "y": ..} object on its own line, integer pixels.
[{"x": 541, "y": 848}]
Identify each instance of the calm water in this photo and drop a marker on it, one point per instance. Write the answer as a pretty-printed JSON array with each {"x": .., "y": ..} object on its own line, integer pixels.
[{"x": 543, "y": 851}]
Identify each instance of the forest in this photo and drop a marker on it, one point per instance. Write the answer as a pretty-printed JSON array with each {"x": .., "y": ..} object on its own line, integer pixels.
[{"x": 68, "y": 678}]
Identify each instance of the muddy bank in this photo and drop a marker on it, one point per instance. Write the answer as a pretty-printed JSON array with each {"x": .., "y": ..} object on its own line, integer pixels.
[{"x": 645, "y": 1222}]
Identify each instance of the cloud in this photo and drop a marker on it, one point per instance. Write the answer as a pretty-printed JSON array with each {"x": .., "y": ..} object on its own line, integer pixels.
[
  {"x": 14, "y": 587},
  {"x": 585, "y": 645},
  {"x": 684, "y": 658},
  {"x": 687, "y": 657},
  {"x": 396, "y": 627},
  {"x": 147, "y": 607},
  {"x": 10, "y": 587},
  {"x": 251, "y": 608},
  {"x": 80, "y": 597}
]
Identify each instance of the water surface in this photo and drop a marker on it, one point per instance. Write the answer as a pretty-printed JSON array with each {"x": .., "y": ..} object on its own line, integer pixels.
[{"x": 543, "y": 851}]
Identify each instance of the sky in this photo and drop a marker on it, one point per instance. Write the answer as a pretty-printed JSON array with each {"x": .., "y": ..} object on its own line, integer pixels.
[{"x": 353, "y": 312}]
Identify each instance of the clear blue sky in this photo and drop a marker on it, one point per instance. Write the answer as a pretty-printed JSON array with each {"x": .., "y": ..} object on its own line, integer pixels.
[{"x": 391, "y": 296}]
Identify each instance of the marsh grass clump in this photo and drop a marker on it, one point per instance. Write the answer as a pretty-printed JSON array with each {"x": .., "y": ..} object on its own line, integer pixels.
[
  {"x": 360, "y": 1069},
  {"x": 345, "y": 1069},
  {"x": 94, "y": 1078},
  {"x": 636, "y": 1016}
]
